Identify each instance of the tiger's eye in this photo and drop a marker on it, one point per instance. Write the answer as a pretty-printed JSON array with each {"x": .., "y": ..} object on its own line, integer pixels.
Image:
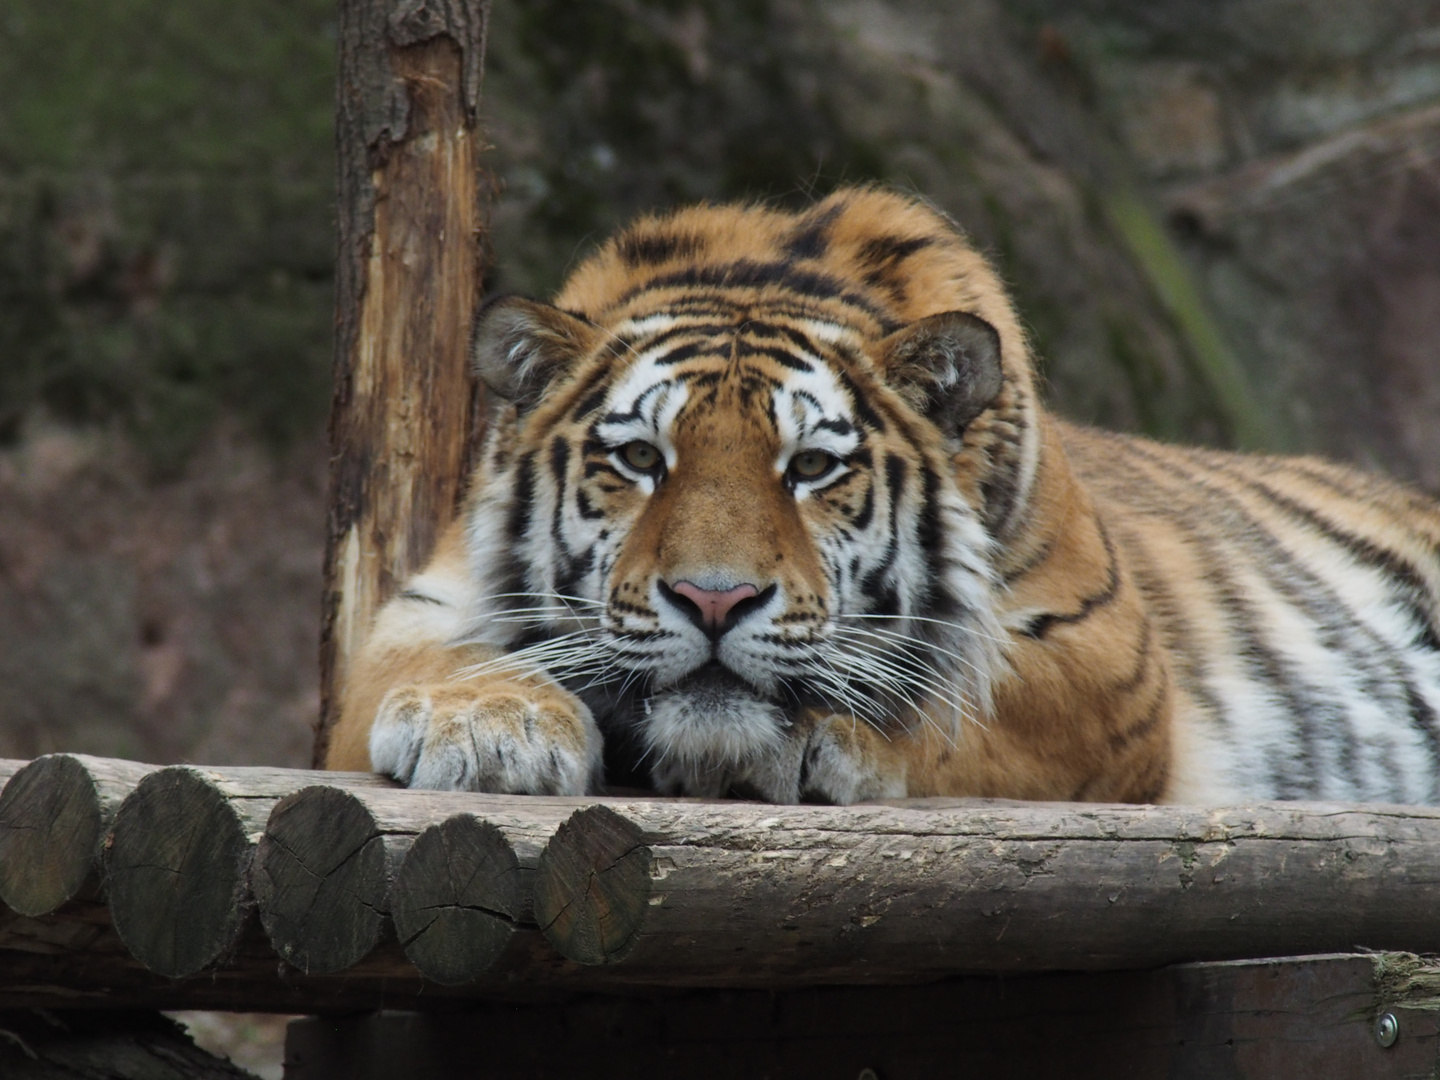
[
  {"x": 640, "y": 456},
  {"x": 809, "y": 464}
]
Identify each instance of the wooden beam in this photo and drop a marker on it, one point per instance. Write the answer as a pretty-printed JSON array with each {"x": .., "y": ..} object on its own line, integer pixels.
[
  {"x": 1290, "y": 1019},
  {"x": 412, "y": 207},
  {"x": 744, "y": 894},
  {"x": 497, "y": 894}
]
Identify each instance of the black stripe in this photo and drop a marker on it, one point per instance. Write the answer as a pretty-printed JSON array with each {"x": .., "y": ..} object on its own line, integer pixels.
[
  {"x": 574, "y": 570},
  {"x": 559, "y": 463},
  {"x": 1161, "y": 603},
  {"x": 1315, "y": 716},
  {"x": 410, "y": 594},
  {"x": 1363, "y": 549},
  {"x": 681, "y": 329},
  {"x": 521, "y": 501},
  {"x": 811, "y": 238},
  {"x": 1423, "y": 719},
  {"x": 1041, "y": 625},
  {"x": 749, "y": 274},
  {"x": 1130, "y": 683},
  {"x": 1001, "y": 489},
  {"x": 681, "y": 353},
  {"x": 586, "y": 508},
  {"x": 650, "y": 249},
  {"x": 595, "y": 388},
  {"x": 1039, "y": 557},
  {"x": 784, "y": 359},
  {"x": 874, "y": 586},
  {"x": 861, "y": 520},
  {"x": 863, "y": 410},
  {"x": 887, "y": 249}
]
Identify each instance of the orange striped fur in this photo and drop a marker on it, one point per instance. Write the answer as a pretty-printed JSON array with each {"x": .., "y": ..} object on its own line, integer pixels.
[{"x": 775, "y": 511}]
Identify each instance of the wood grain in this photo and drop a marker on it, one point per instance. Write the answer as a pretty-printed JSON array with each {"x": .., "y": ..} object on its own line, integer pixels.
[
  {"x": 339, "y": 872},
  {"x": 741, "y": 894},
  {"x": 178, "y": 856},
  {"x": 413, "y": 204}
]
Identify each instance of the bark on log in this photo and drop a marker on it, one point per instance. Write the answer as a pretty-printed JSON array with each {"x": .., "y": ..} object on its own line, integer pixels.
[
  {"x": 327, "y": 869},
  {"x": 412, "y": 209},
  {"x": 53, "y": 813},
  {"x": 177, "y": 859},
  {"x": 739, "y": 893},
  {"x": 72, "y": 958}
]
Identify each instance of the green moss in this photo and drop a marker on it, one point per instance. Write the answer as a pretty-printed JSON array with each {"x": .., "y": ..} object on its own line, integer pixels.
[{"x": 1155, "y": 254}]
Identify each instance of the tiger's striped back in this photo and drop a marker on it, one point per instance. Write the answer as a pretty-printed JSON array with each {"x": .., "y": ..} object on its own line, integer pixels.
[{"x": 1299, "y": 604}]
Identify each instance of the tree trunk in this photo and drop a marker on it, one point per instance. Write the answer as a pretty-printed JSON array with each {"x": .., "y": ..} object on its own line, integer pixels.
[{"x": 412, "y": 207}]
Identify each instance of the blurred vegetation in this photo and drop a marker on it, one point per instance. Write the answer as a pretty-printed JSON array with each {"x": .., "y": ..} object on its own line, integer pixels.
[
  {"x": 166, "y": 177},
  {"x": 166, "y": 186},
  {"x": 165, "y": 215}
]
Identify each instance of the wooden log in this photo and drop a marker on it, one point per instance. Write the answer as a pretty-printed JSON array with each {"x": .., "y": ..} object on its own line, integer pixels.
[
  {"x": 177, "y": 859},
  {"x": 412, "y": 210},
  {"x": 723, "y": 893},
  {"x": 53, "y": 813},
  {"x": 329, "y": 861},
  {"x": 72, "y": 958},
  {"x": 464, "y": 892}
]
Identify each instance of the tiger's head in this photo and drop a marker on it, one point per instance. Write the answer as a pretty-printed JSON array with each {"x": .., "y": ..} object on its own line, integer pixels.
[{"x": 755, "y": 463}]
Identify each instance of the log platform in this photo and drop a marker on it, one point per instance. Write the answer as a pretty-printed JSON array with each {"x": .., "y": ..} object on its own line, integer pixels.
[{"x": 132, "y": 887}]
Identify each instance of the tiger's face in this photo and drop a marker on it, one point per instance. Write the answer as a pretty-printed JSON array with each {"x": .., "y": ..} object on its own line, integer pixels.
[{"x": 711, "y": 510}]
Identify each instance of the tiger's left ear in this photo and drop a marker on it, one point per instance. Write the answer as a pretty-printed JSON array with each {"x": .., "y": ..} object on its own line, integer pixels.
[
  {"x": 521, "y": 346},
  {"x": 946, "y": 366}
]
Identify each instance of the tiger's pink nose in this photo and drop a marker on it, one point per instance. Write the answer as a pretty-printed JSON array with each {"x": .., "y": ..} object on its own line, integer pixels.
[{"x": 714, "y": 606}]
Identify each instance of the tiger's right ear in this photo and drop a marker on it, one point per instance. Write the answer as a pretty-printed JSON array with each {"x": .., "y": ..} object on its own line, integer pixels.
[{"x": 521, "y": 346}]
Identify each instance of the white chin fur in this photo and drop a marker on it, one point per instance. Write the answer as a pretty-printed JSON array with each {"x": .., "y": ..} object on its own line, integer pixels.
[{"x": 697, "y": 742}]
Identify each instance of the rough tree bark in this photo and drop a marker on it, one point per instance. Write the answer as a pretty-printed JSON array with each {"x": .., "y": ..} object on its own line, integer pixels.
[{"x": 412, "y": 205}]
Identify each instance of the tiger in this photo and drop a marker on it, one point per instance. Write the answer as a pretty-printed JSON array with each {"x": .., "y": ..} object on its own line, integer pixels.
[{"x": 771, "y": 508}]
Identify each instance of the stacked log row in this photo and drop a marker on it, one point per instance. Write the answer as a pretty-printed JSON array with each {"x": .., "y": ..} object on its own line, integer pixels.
[
  {"x": 178, "y": 859},
  {"x": 339, "y": 871},
  {"x": 353, "y": 879}
]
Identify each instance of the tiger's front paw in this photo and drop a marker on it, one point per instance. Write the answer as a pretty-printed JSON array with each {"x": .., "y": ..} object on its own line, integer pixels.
[
  {"x": 507, "y": 737},
  {"x": 846, "y": 760}
]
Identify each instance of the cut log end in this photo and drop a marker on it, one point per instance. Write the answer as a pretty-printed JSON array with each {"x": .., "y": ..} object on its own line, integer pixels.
[
  {"x": 176, "y": 864},
  {"x": 50, "y": 828},
  {"x": 458, "y": 898},
  {"x": 592, "y": 887},
  {"x": 321, "y": 880}
]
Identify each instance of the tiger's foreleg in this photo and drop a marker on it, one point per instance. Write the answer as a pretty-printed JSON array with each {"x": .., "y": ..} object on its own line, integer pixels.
[{"x": 435, "y": 713}]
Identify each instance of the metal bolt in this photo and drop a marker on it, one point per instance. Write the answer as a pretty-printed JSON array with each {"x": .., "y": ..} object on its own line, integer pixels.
[{"x": 1387, "y": 1030}]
